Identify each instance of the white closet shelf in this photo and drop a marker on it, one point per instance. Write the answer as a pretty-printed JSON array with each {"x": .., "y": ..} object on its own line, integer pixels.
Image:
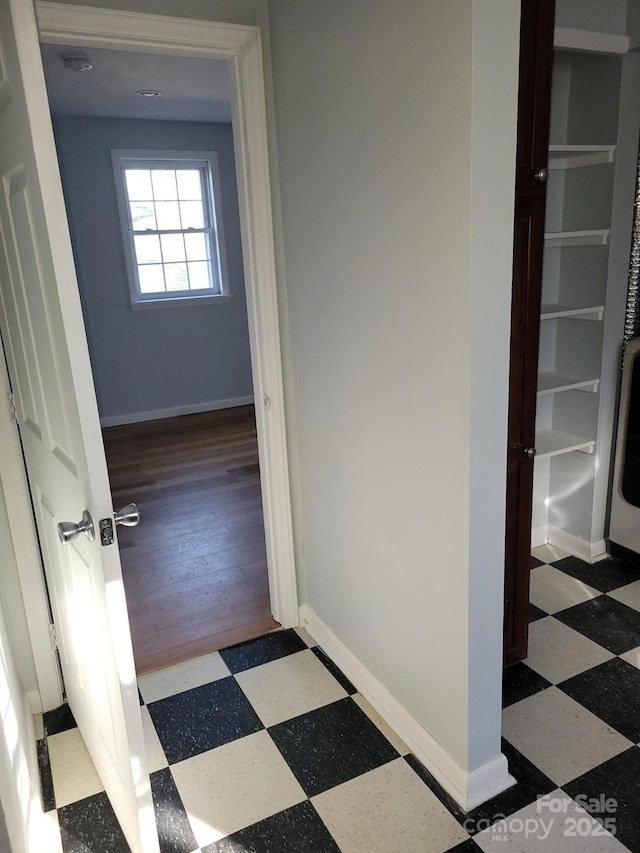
[
  {"x": 555, "y": 381},
  {"x": 579, "y": 312},
  {"x": 588, "y": 41},
  {"x": 578, "y": 156},
  {"x": 576, "y": 238},
  {"x": 554, "y": 442}
]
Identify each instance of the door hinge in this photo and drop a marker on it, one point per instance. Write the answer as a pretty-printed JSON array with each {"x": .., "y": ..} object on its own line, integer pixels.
[
  {"x": 54, "y": 637},
  {"x": 12, "y": 407}
]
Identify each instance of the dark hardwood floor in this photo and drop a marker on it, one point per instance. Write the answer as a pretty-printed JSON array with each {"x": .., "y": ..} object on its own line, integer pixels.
[{"x": 194, "y": 569}]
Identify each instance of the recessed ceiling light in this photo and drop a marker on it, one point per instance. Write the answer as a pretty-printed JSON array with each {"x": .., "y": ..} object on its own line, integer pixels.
[
  {"x": 77, "y": 62},
  {"x": 149, "y": 93}
]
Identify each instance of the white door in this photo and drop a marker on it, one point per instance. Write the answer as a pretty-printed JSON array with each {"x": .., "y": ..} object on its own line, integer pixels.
[{"x": 45, "y": 345}]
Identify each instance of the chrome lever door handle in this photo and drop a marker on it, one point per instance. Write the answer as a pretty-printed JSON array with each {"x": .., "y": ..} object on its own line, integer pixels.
[
  {"x": 69, "y": 530},
  {"x": 128, "y": 516}
]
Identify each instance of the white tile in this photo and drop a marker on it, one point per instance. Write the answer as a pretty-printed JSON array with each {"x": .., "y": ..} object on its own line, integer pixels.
[
  {"x": 38, "y": 725},
  {"x": 557, "y": 652},
  {"x": 305, "y": 636},
  {"x": 156, "y": 759},
  {"x": 632, "y": 657},
  {"x": 235, "y": 785},
  {"x": 629, "y": 594},
  {"x": 289, "y": 686},
  {"x": 553, "y": 590},
  {"x": 74, "y": 776},
  {"x": 553, "y": 823},
  {"x": 548, "y": 553},
  {"x": 396, "y": 742},
  {"x": 388, "y": 809},
  {"x": 559, "y": 735},
  {"x": 183, "y": 676}
]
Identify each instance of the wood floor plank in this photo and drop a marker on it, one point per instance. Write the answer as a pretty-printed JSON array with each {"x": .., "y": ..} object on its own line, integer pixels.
[{"x": 194, "y": 570}]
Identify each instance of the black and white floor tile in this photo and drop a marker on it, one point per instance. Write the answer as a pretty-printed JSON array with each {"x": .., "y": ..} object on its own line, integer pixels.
[{"x": 267, "y": 747}]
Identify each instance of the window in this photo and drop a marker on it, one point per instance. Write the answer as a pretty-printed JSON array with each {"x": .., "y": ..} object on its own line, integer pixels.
[{"x": 170, "y": 212}]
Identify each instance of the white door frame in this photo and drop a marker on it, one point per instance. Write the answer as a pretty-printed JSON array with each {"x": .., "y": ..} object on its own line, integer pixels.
[{"x": 59, "y": 23}]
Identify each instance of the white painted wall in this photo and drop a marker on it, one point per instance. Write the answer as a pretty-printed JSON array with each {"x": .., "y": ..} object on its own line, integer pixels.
[
  {"x": 495, "y": 59},
  {"x": 395, "y": 130}
]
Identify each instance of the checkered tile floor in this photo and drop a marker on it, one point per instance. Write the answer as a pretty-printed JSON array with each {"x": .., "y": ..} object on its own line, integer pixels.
[{"x": 267, "y": 748}]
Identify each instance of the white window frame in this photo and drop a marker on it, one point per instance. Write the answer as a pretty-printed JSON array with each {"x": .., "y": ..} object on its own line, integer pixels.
[{"x": 153, "y": 158}]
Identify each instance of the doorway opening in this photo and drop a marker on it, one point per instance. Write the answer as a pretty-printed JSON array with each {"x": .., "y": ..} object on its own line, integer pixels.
[{"x": 175, "y": 384}]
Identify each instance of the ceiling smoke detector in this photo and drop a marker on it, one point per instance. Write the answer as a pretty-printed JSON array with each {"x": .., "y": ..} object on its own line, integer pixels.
[
  {"x": 149, "y": 93},
  {"x": 77, "y": 62}
]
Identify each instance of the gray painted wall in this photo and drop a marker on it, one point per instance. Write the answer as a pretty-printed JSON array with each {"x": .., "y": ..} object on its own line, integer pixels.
[
  {"x": 161, "y": 358},
  {"x": 5, "y": 843},
  {"x": 398, "y": 275}
]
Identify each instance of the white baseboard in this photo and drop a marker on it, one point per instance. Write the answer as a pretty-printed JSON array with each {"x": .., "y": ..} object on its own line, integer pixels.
[
  {"x": 539, "y": 536},
  {"x": 468, "y": 789},
  {"x": 34, "y": 701},
  {"x": 175, "y": 411},
  {"x": 590, "y": 552}
]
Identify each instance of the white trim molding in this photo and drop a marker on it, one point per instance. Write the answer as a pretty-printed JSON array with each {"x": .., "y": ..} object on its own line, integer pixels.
[
  {"x": 83, "y": 26},
  {"x": 590, "y": 552},
  {"x": 539, "y": 536},
  {"x": 34, "y": 702},
  {"x": 469, "y": 789},
  {"x": 175, "y": 411}
]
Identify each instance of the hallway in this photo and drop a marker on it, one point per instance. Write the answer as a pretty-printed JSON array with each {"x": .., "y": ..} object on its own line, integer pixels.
[{"x": 287, "y": 757}]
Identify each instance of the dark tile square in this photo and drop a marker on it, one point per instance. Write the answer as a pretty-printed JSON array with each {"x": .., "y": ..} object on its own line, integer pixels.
[
  {"x": 617, "y": 779},
  {"x": 335, "y": 672},
  {"x": 59, "y": 720},
  {"x": 531, "y": 784},
  {"x": 605, "y": 621},
  {"x": 270, "y": 647},
  {"x": 174, "y": 829},
  {"x": 331, "y": 745},
  {"x": 90, "y": 825},
  {"x": 534, "y": 562},
  {"x": 468, "y": 846},
  {"x": 611, "y": 691},
  {"x": 203, "y": 718},
  {"x": 295, "y": 830},
  {"x": 520, "y": 681},
  {"x": 536, "y": 613},
  {"x": 606, "y": 575},
  {"x": 46, "y": 779}
]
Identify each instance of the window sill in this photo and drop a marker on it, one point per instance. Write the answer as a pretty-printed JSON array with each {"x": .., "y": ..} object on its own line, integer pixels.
[{"x": 177, "y": 302}]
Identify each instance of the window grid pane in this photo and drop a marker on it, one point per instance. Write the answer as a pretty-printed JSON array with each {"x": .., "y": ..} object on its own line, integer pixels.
[
  {"x": 170, "y": 200},
  {"x": 164, "y": 184},
  {"x": 151, "y": 278}
]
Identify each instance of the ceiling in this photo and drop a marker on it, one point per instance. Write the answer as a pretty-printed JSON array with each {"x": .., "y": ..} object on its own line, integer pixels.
[{"x": 192, "y": 89}]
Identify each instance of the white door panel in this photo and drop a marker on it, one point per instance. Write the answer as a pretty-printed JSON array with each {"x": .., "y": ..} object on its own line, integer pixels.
[{"x": 45, "y": 345}]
